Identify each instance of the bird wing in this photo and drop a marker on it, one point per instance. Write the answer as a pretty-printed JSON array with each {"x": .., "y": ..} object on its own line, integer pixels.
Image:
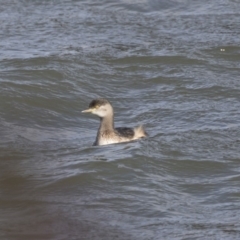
[{"x": 125, "y": 132}]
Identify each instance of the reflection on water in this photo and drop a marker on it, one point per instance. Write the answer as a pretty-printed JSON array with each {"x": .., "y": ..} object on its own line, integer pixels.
[{"x": 161, "y": 64}]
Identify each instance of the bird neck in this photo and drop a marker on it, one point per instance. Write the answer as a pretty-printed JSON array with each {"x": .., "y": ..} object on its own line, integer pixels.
[{"x": 106, "y": 124}]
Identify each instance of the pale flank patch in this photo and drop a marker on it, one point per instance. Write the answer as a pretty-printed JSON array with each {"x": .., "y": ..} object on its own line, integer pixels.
[{"x": 139, "y": 132}]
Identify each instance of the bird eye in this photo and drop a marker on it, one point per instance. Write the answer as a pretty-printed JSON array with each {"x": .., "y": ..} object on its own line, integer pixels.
[{"x": 102, "y": 108}]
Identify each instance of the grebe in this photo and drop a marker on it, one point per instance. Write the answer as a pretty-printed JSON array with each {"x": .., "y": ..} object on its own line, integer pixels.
[{"x": 107, "y": 134}]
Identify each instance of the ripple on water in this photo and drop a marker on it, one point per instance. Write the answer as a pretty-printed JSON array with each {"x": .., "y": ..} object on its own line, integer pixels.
[{"x": 171, "y": 66}]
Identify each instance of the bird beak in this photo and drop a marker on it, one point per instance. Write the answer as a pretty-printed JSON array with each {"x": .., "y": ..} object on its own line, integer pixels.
[{"x": 87, "y": 110}]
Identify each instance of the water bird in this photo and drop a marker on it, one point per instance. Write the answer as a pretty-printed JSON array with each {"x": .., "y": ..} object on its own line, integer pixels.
[{"x": 107, "y": 134}]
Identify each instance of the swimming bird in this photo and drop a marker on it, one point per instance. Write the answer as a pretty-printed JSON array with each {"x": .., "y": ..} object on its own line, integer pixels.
[{"x": 107, "y": 134}]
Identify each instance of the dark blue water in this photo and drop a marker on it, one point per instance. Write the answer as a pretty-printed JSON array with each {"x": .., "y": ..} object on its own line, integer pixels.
[{"x": 172, "y": 66}]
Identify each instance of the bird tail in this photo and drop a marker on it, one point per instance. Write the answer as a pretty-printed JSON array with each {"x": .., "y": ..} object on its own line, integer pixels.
[{"x": 139, "y": 132}]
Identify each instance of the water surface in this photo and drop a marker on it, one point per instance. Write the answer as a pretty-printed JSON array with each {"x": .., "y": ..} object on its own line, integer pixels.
[{"x": 172, "y": 66}]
